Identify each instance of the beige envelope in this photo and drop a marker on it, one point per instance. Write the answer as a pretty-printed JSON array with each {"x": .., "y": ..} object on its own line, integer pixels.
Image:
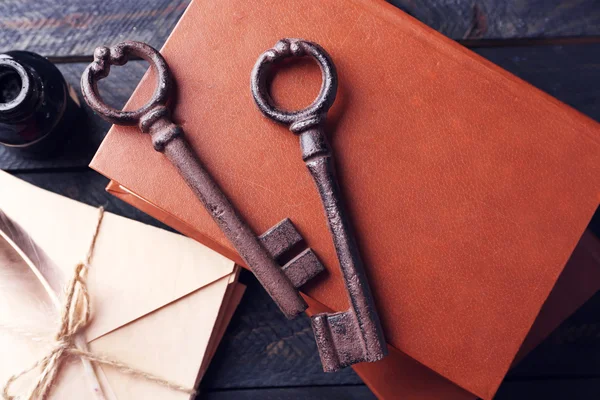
[{"x": 160, "y": 301}]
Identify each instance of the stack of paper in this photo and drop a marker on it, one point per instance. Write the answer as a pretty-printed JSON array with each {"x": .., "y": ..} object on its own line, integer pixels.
[{"x": 160, "y": 301}]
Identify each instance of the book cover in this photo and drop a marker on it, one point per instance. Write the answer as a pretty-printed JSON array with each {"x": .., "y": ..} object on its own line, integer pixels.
[{"x": 467, "y": 187}]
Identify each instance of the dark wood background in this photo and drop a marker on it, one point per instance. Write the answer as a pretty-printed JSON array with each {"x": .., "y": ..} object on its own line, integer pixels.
[{"x": 553, "y": 44}]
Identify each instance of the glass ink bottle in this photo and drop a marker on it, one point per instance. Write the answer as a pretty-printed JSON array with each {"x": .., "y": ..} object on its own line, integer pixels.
[{"x": 36, "y": 103}]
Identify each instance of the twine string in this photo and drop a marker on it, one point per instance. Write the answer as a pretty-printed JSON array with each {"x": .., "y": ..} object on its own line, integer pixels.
[{"x": 75, "y": 317}]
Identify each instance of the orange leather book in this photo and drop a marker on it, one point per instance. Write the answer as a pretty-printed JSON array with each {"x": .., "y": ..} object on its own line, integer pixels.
[{"x": 467, "y": 187}]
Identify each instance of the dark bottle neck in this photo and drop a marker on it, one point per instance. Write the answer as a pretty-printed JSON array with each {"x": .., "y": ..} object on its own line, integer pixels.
[{"x": 19, "y": 91}]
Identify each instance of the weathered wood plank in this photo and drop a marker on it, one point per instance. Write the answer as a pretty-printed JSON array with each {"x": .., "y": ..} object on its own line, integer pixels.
[
  {"x": 571, "y": 351},
  {"x": 354, "y": 392},
  {"x": 560, "y": 389},
  {"x": 570, "y": 73},
  {"x": 550, "y": 389},
  {"x": 493, "y": 19},
  {"x": 75, "y": 27},
  {"x": 68, "y": 27}
]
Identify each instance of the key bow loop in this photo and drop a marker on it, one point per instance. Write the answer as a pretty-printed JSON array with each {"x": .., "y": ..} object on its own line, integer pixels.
[
  {"x": 104, "y": 58},
  {"x": 311, "y": 116}
]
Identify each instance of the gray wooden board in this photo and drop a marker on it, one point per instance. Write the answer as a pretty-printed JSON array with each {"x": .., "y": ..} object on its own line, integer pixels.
[
  {"x": 570, "y": 73},
  {"x": 558, "y": 389},
  {"x": 353, "y": 392},
  {"x": 571, "y": 351},
  {"x": 76, "y": 27},
  {"x": 69, "y": 27},
  {"x": 494, "y": 19},
  {"x": 550, "y": 389}
]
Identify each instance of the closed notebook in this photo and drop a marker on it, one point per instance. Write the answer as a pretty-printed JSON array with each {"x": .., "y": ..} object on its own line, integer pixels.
[
  {"x": 160, "y": 302},
  {"x": 468, "y": 188}
]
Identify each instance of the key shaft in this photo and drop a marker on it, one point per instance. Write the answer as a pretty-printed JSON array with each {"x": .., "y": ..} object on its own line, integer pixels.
[
  {"x": 352, "y": 336},
  {"x": 239, "y": 234},
  {"x": 317, "y": 156}
]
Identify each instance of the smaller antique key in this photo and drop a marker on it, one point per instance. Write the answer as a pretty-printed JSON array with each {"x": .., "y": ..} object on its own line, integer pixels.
[
  {"x": 259, "y": 253},
  {"x": 349, "y": 337}
]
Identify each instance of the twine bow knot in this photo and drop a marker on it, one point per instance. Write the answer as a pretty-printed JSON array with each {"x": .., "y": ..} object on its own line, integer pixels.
[{"x": 76, "y": 316}]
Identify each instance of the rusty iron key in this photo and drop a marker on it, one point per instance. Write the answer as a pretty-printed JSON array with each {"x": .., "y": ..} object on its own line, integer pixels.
[
  {"x": 348, "y": 337},
  {"x": 259, "y": 253}
]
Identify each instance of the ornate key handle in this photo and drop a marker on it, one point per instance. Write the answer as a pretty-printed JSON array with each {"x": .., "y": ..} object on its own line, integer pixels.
[
  {"x": 104, "y": 57},
  {"x": 352, "y": 336},
  {"x": 153, "y": 117},
  {"x": 314, "y": 113},
  {"x": 260, "y": 254}
]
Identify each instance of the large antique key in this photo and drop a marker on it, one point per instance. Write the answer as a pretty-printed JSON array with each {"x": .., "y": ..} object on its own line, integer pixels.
[
  {"x": 352, "y": 336},
  {"x": 259, "y": 253}
]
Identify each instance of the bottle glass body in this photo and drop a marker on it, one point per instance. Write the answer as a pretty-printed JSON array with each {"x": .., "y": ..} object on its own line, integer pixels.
[{"x": 35, "y": 102}]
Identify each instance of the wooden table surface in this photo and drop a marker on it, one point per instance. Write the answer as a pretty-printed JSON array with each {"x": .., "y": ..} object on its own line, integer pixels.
[{"x": 553, "y": 44}]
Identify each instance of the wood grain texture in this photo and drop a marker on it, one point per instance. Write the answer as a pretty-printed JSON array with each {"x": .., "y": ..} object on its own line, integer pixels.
[
  {"x": 69, "y": 27},
  {"x": 493, "y": 19},
  {"x": 76, "y": 27},
  {"x": 559, "y": 389},
  {"x": 296, "y": 393},
  {"x": 569, "y": 73},
  {"x": 571, "y": 351},
  {"x": 550, "y": 389}
]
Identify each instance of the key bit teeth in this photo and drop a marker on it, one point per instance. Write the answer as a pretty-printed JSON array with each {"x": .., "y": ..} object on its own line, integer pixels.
[
  {"x": 281, "y": 238},
  {"x": 340, "y": 340},
  {"x": 303, "y": 268}
]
